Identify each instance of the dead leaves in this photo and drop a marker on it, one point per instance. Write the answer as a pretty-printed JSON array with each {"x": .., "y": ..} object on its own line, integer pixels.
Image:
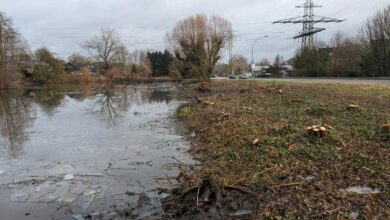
[
  {"x": 203, "y": 88},
  {"x": 205, "y": 103},
  {"x": 275, "y": 90},
  {"x": 226, "y": 115},
  {"x": 247, "y": 108},
  {"x": 208, "y": 103}
]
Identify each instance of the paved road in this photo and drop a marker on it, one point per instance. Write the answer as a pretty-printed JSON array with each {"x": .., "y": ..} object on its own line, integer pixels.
[{"x": 367, "y": 81}]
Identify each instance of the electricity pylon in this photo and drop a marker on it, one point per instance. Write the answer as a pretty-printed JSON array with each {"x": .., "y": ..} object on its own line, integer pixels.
[{"x": 308, "y": 20}]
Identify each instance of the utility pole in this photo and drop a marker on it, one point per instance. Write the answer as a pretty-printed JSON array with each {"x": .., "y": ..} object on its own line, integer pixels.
[
  {"x": 231, "y": 52},
  {"x": 2, "y": 52},
  {"x": 253, "y": 46},
  {"x": 308, "y": 20}
]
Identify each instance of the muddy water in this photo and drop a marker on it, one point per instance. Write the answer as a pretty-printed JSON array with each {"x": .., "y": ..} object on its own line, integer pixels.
[{"x": 88, "y": 152}]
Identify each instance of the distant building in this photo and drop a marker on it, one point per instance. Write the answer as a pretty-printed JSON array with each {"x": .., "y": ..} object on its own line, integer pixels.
[
  {"x": 260, "y": 70},
  {"x": 28, "y": 68},
  {"x": 286, "y": 70},
  {"x": 75, "y": 68}
]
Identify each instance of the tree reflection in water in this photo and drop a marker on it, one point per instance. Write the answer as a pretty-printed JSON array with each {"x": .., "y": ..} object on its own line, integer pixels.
[
  {"x": 49, "y": 99},
  {"x": 111, "y": 102},
  {"x": 160, "y": 96},
  {"x": 15, "y": 118}
]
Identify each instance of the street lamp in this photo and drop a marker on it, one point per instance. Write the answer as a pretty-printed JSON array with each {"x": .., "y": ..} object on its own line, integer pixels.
[{"x": 253, "y": 46}]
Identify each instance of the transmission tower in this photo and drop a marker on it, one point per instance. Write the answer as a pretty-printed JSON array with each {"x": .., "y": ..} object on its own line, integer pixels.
[{"x": 308, "y": 20}]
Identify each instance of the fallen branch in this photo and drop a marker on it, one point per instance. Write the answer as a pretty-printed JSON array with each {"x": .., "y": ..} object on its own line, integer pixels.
[
  {"x": 197, "y": 197},
  {"x": 227, "y": 187},
  {"x": 288, "y": 185}
]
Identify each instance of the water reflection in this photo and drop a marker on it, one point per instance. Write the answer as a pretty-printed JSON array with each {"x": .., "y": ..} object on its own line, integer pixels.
[
  {"x": 110, "y": 103},
  {"x": 83, "y": 147},
  {"x": 15, "y": 118},
  {"x": 160, "y": 96},
  {"x": 49, "y": 99},
  {"x": 105, "y": 102}
]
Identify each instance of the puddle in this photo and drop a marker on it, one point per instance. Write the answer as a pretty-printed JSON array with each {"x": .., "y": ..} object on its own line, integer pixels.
[{"x": 88, "y": 152}]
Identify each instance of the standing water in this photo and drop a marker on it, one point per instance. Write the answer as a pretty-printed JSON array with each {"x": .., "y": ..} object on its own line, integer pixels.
[{"x": 88, "y": 152}]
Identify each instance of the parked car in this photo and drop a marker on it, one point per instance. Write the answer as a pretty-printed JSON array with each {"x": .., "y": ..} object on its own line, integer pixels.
[
  {"x": 268, "y": 75},
  {"x": 232, "y": 77},
  {"x": 260, "y": 75},
  {"x": 246, "y": 76}
]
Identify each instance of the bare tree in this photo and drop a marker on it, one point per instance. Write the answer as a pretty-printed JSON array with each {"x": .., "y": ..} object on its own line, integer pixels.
[
  {"x": 104, "y": 47},
  {"x": 346, "y": 57},
  {"x": 240, "y": 64},
  {"x": 122, "y": 58},
  {"x": 311, "y": 62},
  {"x": 265, "y": 62},
  {"x": 376, "y": 38},
  {"x": 78, "y": 58},
  {"x": 12, "y": 49},
  {"x": 198, "y": 41}
]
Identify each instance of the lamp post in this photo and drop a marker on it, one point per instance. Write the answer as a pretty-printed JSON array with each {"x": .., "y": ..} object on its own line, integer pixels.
[{"x": 253, "y": 46}]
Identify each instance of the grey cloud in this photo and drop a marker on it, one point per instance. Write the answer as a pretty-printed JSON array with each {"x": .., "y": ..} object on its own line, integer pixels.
[{"x": 62, "y": 25}]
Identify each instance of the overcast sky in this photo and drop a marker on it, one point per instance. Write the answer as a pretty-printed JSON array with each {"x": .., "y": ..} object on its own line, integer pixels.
[{"x": 62, "y": 25}]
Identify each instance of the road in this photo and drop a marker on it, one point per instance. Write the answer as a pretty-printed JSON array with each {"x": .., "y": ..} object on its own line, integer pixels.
[{"x": 363, "y": 81}]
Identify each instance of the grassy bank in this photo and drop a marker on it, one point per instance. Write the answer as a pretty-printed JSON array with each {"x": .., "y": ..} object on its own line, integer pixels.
[{"x": 254, "y": 135}]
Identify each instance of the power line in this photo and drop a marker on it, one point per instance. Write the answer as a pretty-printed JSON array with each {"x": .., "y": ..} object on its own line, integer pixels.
[{"x": 308, "y": 20}]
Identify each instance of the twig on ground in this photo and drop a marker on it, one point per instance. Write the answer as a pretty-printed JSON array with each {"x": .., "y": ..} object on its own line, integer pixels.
[{"x": 288, "y": 185}]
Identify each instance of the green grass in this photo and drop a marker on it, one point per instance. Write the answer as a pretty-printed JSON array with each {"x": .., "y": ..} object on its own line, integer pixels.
[
  {"x": 184, "y": 112},
  {"x": 354, "y": 151}
]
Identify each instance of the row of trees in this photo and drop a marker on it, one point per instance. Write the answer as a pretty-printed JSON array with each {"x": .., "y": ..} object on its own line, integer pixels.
[
  {"x": 367, "y": 54},
  {"x": 195, "y": 46}
]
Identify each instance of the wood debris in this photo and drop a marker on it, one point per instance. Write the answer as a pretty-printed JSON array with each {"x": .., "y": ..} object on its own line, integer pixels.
[
  {"x": 385, "y": 127},
  {"x": 200, "y": 101},
  {"x": 317, "y": 130},
  {"x": 208, "y": 103},
  {"x": 353, "y": 107}
]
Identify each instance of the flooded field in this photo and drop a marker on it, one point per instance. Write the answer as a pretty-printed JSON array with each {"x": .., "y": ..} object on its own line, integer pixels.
[{"x": 89, "y": 152}]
